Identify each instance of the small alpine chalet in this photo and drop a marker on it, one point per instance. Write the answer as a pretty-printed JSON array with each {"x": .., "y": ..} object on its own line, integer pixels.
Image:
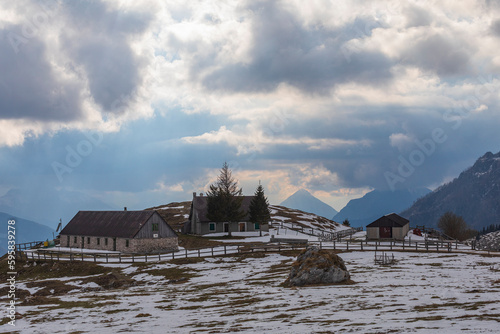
[{"x": 199, "y": 223}]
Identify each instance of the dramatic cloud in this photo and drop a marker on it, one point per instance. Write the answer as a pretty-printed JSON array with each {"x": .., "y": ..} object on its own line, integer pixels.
[
  {"x": 30, "y": 88},
  {"x": 313, "y": 59},
  {"x": 329, "y": 96},
  {"x": 68, "y": 65}
]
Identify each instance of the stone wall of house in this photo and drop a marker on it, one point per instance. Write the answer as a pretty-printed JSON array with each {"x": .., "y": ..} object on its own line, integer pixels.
[
  {"x": 152, "y": 245},
  {"x": 135, "y": 245}
]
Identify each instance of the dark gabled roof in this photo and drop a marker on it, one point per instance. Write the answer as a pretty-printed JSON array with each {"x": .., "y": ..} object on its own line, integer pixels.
[
  {"x": 390, "y": 220},
  {"x": 119, "y": 224},
  {"x": 200, "y": 205}
]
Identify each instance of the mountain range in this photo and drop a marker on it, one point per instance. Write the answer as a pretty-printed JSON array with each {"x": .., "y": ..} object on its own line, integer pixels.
[
  {"x": 305, "y": 201},
  {"x": 474, "y": 195},
  {"x": 25, "y": 231},
  {"x": 373, "y": 205}
]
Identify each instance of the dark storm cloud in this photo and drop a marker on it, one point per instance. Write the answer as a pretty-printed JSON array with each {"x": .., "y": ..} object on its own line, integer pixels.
[
  {"x": 495, "y": 28},
  {"x": 314, "y": 59},
  {"x": 97, "y": 41},
  {"x": 29, "y": 88},
  {"x": 102, "y": 45},
  {"x": 417, "y": 17},
  {"x": 439, "y": 54}
]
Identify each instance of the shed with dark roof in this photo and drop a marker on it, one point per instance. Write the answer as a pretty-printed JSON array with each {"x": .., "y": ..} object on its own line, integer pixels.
[
  {"x": 391, "y": 226},
  {"x": 125, "y": 231}
]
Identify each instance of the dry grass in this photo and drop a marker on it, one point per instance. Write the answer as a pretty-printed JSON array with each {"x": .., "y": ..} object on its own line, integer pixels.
[
  {"x": 175, "y": 216},
  {"x": 194, "y": 242}
]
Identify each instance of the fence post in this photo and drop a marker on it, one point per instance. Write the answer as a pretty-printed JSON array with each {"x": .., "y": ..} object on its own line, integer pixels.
[
  {"x": 361, "y": 245},
  {"x": 159, "y": 256},
  {"x": 106, "y": 257},
  {"x": 82, "y": 255},
  {"x": 347, "y": 244},
  {"x": 95, "y": 260},
  {"x": 320, "y": 245},
  {"x": 173, "y": 255},
  {"x": 58, "y": 256},
  {"x": 199, "y": 254},
  {"x": 334, "y": 245},
  {"x": 391, "y": 244},
  {"x": 213, "y": 251},
  {"x": 146, "y": 257},
  {"x": 119, "y": 257}
]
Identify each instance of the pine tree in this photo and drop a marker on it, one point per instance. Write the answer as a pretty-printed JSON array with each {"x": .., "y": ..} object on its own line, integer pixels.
[
  {"x": 259, "y": 209},
  {"x": 224, "y": 199},
  {"x": 346, "y": 222}
]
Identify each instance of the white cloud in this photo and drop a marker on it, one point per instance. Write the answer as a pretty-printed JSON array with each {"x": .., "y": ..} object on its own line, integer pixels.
[{"x": 401, "y": 140}]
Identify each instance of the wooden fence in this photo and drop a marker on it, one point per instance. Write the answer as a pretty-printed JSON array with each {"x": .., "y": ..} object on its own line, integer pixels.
[
  {"x": 52, "y": 255},
  {"x": 28, "y": 245}
]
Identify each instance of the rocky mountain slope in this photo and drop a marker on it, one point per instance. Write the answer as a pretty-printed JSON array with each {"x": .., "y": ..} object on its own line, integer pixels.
[
  {"x": 474, "y": 195},
  {"x": 373, "y": 205}
]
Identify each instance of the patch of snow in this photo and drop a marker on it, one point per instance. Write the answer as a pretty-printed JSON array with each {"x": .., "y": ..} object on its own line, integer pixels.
[{"x": 423, "y": 293}]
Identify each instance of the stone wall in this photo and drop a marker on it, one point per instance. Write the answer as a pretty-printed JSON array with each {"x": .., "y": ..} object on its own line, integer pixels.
[
  {"x": 134, "y": 245},
  {"x": 152, "y": 245}
]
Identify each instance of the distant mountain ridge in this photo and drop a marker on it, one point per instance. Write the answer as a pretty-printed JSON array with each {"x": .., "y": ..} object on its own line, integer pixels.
[
  {"x": 26, "y": 231},
  {"x": 304, "y": 201},
  {"x": 373, "y": 205},
  {"x": 474, "y": 195}
]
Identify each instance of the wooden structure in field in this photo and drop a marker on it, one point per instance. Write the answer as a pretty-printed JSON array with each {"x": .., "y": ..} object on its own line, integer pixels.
[{"x": 388, "y": 227}]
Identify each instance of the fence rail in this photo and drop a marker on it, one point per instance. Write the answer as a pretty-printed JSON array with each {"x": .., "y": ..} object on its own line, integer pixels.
[
  {"x": 28, "y": 245},
  {"x": 51, "y": 255}
]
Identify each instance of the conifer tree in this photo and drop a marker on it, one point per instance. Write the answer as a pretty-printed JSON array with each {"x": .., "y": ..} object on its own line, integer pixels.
[
  {"x": 224, "y": 199},
  {"x": 259, "y": 209}
]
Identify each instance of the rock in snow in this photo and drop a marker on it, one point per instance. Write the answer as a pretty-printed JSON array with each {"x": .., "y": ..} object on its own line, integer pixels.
[{"x": 315, "y": 266}]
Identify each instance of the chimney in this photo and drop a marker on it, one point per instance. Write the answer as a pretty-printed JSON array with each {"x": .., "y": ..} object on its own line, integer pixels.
[
  {"x": 124, "y": 208},
  {"x": 201, "y": 194},
  {"x": 194, "y": 194}
]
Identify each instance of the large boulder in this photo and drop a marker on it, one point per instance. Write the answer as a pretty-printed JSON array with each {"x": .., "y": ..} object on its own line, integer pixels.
[{"x": 315, "y": 266}]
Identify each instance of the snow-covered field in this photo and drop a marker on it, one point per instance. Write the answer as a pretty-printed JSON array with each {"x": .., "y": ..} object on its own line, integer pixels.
[{"x": 422, "y": 293}]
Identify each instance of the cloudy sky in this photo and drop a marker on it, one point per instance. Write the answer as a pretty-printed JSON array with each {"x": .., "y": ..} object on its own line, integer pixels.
[{"x": 139, "y": 103}]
